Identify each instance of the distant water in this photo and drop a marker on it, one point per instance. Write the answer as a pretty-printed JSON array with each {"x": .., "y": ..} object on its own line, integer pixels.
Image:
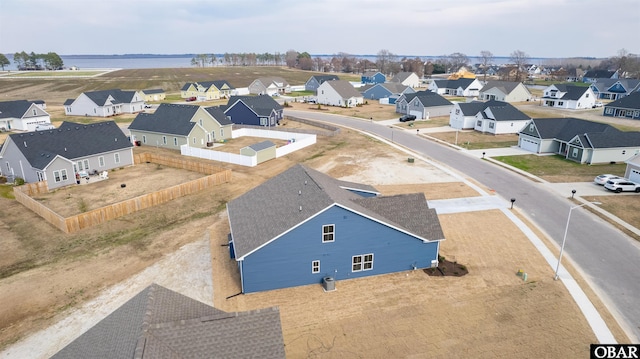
[{"x": 144, "y": 61}]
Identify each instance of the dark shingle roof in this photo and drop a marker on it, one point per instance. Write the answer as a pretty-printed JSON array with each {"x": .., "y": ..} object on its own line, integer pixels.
[
  {"x": 323, "y": 78},
  {"x": 602, "y": 85},
  {"x": 263, "y": 105},
  {"x": 14, "y": 109},
  {"x": 151, "y": 91},
  {"x": 219, "y": 115},
  {"x": 160, "y": 323},
  {"x": 471, "y": 108},
  {"x": 571, "y": 92},
  {"x": 504, "y": 86},
  {"x": 631, "y": 101},
  {"x": 591, "y": 134},
  {"x": 168, "y": 118},
  {"x": 301, "y": 193},
  {"x": 599, "y": 74},
  {"x": 70, "y": 140},
  {"x": 454, "y": 84},
  {"x": 501, "y": 111},
  {"x": 429, "y": 99},
  {"x": 100, "y": 97}
]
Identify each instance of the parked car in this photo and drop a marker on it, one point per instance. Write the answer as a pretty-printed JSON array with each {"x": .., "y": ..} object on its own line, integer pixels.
[
  {"x": 597, "y": 104},
  {"x": 148, "y": 106},
  {"x": 191, "y": 99},
  {"x": 407, "y": 118},
  {"x": 602, "y": 179},
  {"x": 622, "y": 184}
]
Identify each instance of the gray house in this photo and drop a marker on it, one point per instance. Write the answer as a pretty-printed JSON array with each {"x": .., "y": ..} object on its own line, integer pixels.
[
  {"x": 423, "y": 104},
  {"x": 269, "y": 86},
  {"x": 105, "y": 103},
  {"x": 57, "y": 155},
  {"x": 579, "y": 140},
  {"x": 160, "y": 323},
  {"x": 315, "y": 81},
  {"x": 173, "y": 125},
  {"x": 625, "y": 107}
]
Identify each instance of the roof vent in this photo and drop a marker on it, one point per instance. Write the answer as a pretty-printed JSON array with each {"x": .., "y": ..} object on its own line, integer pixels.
[
  {"x": 116, "y": 139},
  {"x": 25, "y": 143},
  {"x": 300, "y": 208},
  {"x": 299, "y": 193}
]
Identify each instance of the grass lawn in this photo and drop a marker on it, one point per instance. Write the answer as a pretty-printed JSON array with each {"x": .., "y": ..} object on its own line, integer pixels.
[
  {"x": 556, "y": 168},
  {"x": 474, "y": 140}
]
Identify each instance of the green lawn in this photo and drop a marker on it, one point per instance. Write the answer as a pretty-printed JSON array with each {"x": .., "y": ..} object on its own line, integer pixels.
[{"x": 474, "y": 140}]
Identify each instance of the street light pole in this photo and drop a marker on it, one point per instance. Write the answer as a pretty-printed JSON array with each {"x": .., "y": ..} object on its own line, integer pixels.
[{"x": 564, "y": 238}]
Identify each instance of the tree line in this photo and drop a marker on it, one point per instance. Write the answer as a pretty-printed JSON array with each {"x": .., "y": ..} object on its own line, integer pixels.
[{"x": 33, "y": 61}]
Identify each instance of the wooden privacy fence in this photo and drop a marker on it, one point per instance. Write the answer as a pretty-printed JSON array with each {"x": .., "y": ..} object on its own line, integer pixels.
[{"x": 216, "y": 175}]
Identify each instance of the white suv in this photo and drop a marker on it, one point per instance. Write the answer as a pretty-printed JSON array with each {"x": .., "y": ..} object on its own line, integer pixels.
[{"x": 622, "y": 184}]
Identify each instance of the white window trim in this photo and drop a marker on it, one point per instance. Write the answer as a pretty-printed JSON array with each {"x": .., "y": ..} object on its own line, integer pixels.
[
  {"x": 101, "y": 161},
  {"x": 116, "y": 157},
  {"x": 333, "y": 233},
  {"x": 362, "y": 262},
  {"x": 315, "y": 266}
]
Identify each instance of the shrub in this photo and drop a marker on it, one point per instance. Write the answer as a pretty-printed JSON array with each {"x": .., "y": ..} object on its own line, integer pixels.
[{"x": 19, "y": 181}]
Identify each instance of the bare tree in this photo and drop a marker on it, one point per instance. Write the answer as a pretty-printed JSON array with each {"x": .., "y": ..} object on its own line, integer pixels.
[
  {"x": 628, "y": 65},
  {"x": 291, "y": 58},
  {"x": 519, "y": 58},
  {"x": 457, "y": 60},
  {"x": 385, "y": 58},
  {"x": 486, "y": 59}
]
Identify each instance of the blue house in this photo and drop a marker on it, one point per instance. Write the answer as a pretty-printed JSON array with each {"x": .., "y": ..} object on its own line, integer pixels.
[
  {"x": 303, "y": 226},
  {"x": 389, "y": 90},
  {"x": 371, "y": 77},
  {"x": 625, "y": 107},
  {"x": 613, "y": 89},
  {"x": 261, "y": 110},
  {"x": 593, "y": 75}
]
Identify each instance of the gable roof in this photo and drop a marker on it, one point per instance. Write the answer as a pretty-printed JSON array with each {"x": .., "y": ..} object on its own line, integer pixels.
[
  {"x": 276, "y": 80},
  {"x": 152, "y": 91},
  {"x": 70, "y": 140},
  {"x": 505, "y": 86},
  {"x": 631, "y": 101},
  {"x": 503, "y": 111},
  {"x": 602, "y": 85},
  {"x": 571, "y": 92},
  {"x": 401, "y": 76},
  {"x": 262, "y": 145},
  {"x": 100, "y": 97},
  {"x": 471, "y": 108},
  {"x": 428, "y": 98},
  {"x": 160, "y": 323},
  {"x": 372, "y": 73},
  {"x": 218, "y": 114},
  {"x": 454, "y": 84},
  {"x": 14, "y": 109},
  {"x": 322, "y": 78},
  {"x": 302, "y": 193},
  {"x": 262, "y": 105},
  {"x": 168, "y": 118},
  {"x": 591, "y": 134},
  {"x": 344, "y": 88},
  {"x": 602, "y": 74}
]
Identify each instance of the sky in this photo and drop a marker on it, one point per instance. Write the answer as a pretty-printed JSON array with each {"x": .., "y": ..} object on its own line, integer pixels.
[{"x": 540, "y": 28}]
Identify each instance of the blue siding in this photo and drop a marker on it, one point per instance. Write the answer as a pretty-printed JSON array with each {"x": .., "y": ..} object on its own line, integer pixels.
[
  {"x": 286, "y": 262},
  {"x": 376, "y": 93},
  {"x": 242, "y": 115}
]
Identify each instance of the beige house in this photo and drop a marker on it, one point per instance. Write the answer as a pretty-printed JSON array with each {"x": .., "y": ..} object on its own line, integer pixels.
[
  {"x": 206, "y": 90},
  {"x": 506, "y": 91},
  {"x": 172, "y": 126},
  {"x": 153, "y": 95}
]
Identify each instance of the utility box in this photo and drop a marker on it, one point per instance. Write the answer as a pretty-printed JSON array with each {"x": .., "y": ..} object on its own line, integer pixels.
[{"x": 328, "y": 284}]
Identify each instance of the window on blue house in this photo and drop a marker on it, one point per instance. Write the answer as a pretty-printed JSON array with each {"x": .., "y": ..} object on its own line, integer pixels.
[
  {"x": 328, "y": 233},
  {"x": 315, "y": 267},
  {"x": 362, "y": 262}
]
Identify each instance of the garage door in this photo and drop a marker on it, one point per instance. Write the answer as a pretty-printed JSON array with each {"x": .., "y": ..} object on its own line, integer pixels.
[
  {"x": 418, "y": 114},
  {"x": 529, "y": 145},
  {"x": 634, "y": 175}
]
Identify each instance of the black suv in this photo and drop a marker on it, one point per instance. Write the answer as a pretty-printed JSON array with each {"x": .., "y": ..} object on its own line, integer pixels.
[{"x": 407, "y": 118}]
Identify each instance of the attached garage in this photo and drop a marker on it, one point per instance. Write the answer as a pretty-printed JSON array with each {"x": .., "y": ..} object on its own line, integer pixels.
[
  {"x": 529, "y": 144},
  {"x": 633, "y": 168},
  {"x": 634, "y": 175}
]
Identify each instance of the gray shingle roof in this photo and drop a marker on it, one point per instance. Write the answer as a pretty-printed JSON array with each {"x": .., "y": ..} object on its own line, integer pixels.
[
  {"x": 428, "y": 99},
  {"x": 262, "y": 145},
  {"x": 100, "y": 97},
  {"x": 401, "y": 76},
  {"x": 218, "y": 114},
  {"x": 471, "y": 108},
  {"x": 322, "y": 78},
  {"x": 152, "y": 91},
  {"x": 300, "y": 193},
  {"x": 571, "y": 92},
  {"x": 263, "y": 105},
  {"x": 599, "y": 74},
  {"x": 14, "y": 109},
  {"x": 71, "y": 141},
  {"x": 602, "y": 85},
  {"x": 168, "y": 118},
  {"x": 454, "y": 84},
  {"x": 505, "y": 86},
  {"x": 503, "y": 111},
  {"x": 592, "y": 134},
  {"x": 631, "y": 101},
  {"x": 344, "y": 88},
  {"x": 160, "y": 323}
]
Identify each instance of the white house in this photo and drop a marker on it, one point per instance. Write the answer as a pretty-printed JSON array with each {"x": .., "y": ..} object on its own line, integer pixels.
[
  {"x": 105, "y": 103},
  {"x": 568, "y": 96},
  {"x": 460, "y": 87},
  {"x": 495, "y": 117},
  {"x": 339, "y": 93},
  {"x": 23, "y": 115}
]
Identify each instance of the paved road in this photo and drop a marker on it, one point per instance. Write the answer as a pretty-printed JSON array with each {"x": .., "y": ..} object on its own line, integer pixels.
[{"x": 608, "y": 259}]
